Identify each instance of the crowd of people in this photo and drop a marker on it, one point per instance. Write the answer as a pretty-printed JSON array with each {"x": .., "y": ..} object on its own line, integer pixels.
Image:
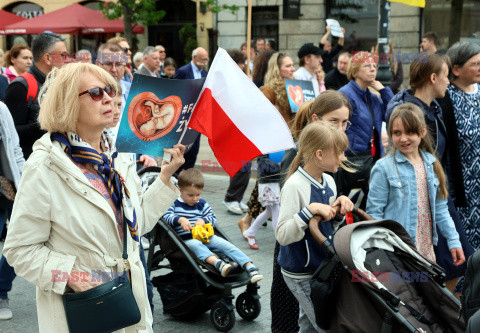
[{"x": 410, "y": 155}]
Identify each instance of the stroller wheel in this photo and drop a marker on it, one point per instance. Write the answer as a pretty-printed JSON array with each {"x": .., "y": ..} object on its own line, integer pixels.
[
  {"x": 221, "y": 317},
  {"x": 248, "y": 307}
]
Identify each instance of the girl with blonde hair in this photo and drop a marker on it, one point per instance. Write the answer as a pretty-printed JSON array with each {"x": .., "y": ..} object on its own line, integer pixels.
[{"x": 309, "y": 192}]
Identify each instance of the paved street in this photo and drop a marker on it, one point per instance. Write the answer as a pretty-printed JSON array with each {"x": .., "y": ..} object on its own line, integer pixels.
[{"x": 22, "y": 296}]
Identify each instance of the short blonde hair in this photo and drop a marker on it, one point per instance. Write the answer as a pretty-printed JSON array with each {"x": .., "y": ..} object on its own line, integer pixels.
[
  {"x": 59, "y": 100},
  {"x": 117, "y": 40},
  {"x": 357, "y": 61}
]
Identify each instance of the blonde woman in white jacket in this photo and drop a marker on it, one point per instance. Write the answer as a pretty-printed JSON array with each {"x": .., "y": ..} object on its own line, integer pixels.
[{"x": 66, "y": 219}]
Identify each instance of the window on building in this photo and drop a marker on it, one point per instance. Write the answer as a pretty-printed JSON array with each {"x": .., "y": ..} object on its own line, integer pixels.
[
  {"x": 436, "y": 17},
  {"x": 265, "y": 23},
  {"x": 166, "y": 32},
  {"x": 360, "y": 20},
  {"x": 27, "y": 10}
]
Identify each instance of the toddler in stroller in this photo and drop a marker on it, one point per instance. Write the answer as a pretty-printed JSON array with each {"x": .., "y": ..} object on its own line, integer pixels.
[
  {"x": 190, "y": 210},
  {"x": 203, "y": 281}
]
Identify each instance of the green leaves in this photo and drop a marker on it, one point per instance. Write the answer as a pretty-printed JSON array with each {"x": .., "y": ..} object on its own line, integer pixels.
[
  {"x": 143, "y": 11},
  {"x": 214, "y": 7}
]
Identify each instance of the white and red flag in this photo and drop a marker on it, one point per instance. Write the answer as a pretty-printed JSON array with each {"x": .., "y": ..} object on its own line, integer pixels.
[{"x": 238, "y": 120}]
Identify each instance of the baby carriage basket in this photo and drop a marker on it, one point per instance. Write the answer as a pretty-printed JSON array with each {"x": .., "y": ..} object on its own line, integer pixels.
[{"x": 376, "y": 281}]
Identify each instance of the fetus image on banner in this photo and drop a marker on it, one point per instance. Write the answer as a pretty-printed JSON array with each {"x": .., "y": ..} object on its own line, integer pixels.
[{"x": 151, "y": 118}]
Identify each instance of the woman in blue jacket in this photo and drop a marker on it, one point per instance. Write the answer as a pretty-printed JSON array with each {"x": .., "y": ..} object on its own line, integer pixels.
[{"x": 368, "y": 112}]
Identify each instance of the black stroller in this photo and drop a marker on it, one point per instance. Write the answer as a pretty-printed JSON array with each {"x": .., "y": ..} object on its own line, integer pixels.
[
  {"x": 397, "y": 289},
  {"x": 192, "y": 287}
]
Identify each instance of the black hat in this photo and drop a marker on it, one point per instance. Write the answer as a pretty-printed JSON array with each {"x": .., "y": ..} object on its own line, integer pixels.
[{"x": 310, "y": 48}]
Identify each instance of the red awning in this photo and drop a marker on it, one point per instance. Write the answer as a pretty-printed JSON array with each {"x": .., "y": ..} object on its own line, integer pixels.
[
  {"x": 7, "y": 18},
  {"x": 73, "y": 20}
]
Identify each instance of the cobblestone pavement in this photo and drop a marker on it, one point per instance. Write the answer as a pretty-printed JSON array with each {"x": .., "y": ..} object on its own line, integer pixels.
[{"x": 22, "y": 296}]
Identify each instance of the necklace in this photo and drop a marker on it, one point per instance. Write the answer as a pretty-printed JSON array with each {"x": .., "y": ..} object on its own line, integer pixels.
[{"x": 463, "y": 96}]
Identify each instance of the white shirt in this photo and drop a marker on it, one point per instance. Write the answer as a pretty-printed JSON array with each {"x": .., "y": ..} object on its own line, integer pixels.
[
  {"x": 197, "y": 74},
  {"x": 303, "y": 74}
]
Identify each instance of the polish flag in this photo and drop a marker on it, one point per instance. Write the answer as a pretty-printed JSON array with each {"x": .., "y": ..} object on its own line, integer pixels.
[{"x": 238, "y": 120}]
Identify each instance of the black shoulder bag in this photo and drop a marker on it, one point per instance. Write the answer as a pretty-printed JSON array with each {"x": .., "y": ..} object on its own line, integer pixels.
[
  {"x": 105, "y": 308},
  {"x": 363, "y": 163}
]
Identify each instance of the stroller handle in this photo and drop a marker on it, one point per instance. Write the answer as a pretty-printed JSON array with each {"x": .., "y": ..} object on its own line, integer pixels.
[{"x": 317, "y": 234}]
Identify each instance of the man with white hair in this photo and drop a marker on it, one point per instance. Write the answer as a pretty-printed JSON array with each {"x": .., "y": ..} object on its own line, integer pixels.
[
  {"x": 151, "y": 62},
  {"x": 196, "y": 68}
]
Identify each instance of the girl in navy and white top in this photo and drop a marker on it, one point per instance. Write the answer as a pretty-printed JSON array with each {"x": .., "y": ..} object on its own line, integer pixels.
[{"x": 309, "y": 191}]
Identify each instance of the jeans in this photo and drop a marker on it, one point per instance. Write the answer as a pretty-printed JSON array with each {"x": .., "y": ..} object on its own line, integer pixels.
[
  {"x": 147, "y": 278},
  {"x": 220, "y": 245},
  {"x": 300, "y": 288},
  {"x": 7, "y": 274}
]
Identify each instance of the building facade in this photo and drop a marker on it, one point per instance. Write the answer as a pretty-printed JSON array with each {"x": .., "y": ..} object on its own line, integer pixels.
[{"x": 289, "y": 23}]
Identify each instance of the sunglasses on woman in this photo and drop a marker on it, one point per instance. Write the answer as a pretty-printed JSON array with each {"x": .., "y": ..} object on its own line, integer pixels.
[{"x": 97, "y": 93}]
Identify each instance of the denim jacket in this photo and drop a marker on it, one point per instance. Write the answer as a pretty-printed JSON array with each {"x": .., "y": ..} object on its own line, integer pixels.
[{"x": 393, "y": 195}]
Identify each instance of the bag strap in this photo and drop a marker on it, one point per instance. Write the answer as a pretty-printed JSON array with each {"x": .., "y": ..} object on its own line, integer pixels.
[
  {"x": 372, "y": 135},
  {"x": 32, "y": 87},
  {"x": 371, "y": 114},
  {"x": 124, "y": 254}
]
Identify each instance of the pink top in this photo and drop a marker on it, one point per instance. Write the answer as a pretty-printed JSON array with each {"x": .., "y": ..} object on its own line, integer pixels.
[
  {"x": 424, "y": 237},
  {"x": 321, "y": 87},
  {"x": 9, "y": 75}
]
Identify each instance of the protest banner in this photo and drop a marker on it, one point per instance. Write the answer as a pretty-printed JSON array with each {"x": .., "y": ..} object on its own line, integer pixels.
[
  {"x": 298, "y": 91},
  {"x": 156, "y": 114},
  {"x": 335, "y": 28}
]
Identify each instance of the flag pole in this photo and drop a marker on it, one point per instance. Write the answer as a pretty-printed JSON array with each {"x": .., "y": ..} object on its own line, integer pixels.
[{"x": 249, "y": 34}]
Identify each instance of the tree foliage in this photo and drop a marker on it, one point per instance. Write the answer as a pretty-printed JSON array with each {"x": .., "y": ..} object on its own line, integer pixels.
[
  {"x": 188, "y": 37},
  {"x": 133, "y": 12},
  {"x": 215, "y": 7}
]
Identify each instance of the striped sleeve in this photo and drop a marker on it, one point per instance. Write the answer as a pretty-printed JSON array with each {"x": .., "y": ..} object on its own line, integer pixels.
[
  {"x": 305, "y": 214},
  {"x": 207, "y": 214},
  {"x": 170, "y": 216}
]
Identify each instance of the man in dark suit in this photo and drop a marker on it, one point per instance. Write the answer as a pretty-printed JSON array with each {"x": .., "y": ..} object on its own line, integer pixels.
[
  {"x": 194, "y": 70},
  {"x": 151, "y": 62},
  {"x": 337, "y": 77}
]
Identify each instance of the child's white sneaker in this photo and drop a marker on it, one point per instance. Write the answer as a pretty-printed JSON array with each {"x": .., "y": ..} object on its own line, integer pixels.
[
  {"x": 255, "y": 276},
  {"x": 224, "y": 268}
]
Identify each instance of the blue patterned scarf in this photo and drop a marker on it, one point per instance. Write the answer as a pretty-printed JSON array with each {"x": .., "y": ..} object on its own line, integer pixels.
[{"x": 80, "y": 151}]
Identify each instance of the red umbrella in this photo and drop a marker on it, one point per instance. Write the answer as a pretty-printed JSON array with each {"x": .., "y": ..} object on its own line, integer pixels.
[
  {"x": 73, "y": 20},
  {"x": 7, "y": 18}
]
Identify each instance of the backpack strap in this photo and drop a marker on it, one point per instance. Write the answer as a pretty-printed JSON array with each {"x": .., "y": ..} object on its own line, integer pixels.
[{"x": 32, "y": 87}]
